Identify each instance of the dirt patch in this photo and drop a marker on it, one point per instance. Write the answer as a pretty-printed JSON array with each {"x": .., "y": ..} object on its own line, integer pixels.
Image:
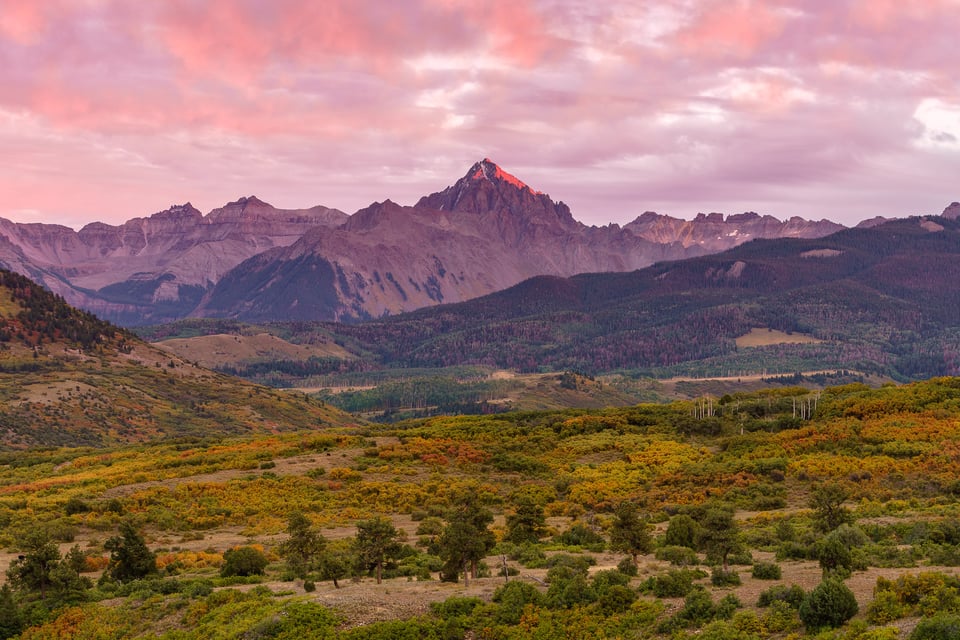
[
  {"x": 224, "y": 349},
  {"x": 47, "y": 393},
  {"x": 760, "y": 337},
  {"x": 296, "y": 465}
]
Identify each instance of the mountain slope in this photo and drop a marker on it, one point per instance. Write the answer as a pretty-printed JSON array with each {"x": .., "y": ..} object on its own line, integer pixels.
[
  {"x": 155, "y": 268},
  {"x": 884, "y": 299},
  {"x": 68, "y": 378},
  {"x": 485, "y": 233}
]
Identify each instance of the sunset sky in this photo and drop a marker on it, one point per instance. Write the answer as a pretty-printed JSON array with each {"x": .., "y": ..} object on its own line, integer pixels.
[{"x": 840, "y": 109}]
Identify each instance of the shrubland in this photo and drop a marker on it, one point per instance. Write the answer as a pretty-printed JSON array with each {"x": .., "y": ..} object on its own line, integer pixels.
[{"x": 751, "y": 515}]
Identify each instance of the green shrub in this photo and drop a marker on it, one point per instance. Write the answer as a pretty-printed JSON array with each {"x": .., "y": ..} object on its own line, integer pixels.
[
  {"x": 580, "y": 535},
  {"x": 698, "y": 608},
  {"x": 792, "y": 595},
  {"x": 627, "y": 568},
  {"x": 766, "y": 571},
  {"x": 943, "y": 626},
  {"x": 512, "y": 598},
  {"x": 829, "y": 604},
  {"x": 529, "y": 555},
  {"x": 603, "y": 580},
  {"x": 75, "y": 505},
  {"x": 456, "y": 607},
  {"x": 721, "y": 578},
  {"x": 781, "y": 617},
  {"x": 243, "y": 561},
  {"x": 676, "y": 583},
  {"x": 309, "y": 586},
  {"x": 568, "y": 592},
  {"x": 616, "y": 599},
  {"x": 682, "y": 531},
  {"x": 198, "y": 589},
  {"x": 727, "y": 606},
  {"x": 677, "y": 555},
  {"x": 792, "y": 550}
]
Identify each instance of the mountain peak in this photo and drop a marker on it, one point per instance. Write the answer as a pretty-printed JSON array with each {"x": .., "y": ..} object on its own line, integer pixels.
[
  {"x": 487, "y": 188},
  {"x": 489, "y": 170}
]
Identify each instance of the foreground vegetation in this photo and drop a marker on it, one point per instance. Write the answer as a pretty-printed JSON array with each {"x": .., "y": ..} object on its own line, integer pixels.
[{"x": 750, "y": 515}]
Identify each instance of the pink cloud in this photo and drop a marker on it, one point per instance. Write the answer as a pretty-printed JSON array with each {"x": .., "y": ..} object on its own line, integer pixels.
[
  {"x": 735, "y": 29},
  {"x": 615, "y": 107}
]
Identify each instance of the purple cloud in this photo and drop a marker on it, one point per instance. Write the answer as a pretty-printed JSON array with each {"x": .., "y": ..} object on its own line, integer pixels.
[{"x": 844, "y": 109}]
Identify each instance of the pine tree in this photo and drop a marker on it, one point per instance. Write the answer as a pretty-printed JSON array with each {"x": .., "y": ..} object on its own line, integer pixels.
[
  {"x": 304, "y": 546},
  {"x": 130, "y": 559},
  {"x": 11, "y": 620},
  {"x": 527, "y": 524},
  {"x": 629, "y": 534},
  {"x": 31, "y": 571},
  {"x": 719, "y": 535},
  {"x": 377, "y": 542}
]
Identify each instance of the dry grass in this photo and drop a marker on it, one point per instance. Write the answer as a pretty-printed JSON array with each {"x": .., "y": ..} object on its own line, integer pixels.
[
  {"x": 223, "y": 350},
  {"x": 760, "y": 337}
]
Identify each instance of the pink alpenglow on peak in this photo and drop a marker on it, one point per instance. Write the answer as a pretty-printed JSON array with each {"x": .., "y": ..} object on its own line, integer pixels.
[{"x": 487, "y": 169}]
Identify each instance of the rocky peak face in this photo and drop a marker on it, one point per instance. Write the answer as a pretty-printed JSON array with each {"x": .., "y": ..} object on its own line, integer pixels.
[
  {"x": 486, "y": 189},
  {"x": 713, "y": 232},
  {"x": 952, "y": 212}
]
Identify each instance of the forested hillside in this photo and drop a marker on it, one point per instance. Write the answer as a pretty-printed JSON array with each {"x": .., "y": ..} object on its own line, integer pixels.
[{"x": 881, "y": 300}]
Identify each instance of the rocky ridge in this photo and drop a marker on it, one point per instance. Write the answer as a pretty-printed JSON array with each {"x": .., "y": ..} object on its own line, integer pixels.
[{"x": 252, "y": 261}]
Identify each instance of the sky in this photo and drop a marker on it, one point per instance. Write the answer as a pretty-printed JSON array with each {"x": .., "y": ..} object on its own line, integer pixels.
[{"x": 839, "y": 109}]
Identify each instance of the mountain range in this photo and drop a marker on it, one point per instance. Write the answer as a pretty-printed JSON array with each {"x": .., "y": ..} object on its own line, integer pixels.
[
  {"x": 880, "y": 299},
  {"x": 251, "y": 261}
]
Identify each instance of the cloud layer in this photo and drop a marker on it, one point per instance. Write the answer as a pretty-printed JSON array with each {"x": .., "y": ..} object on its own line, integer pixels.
[{"x": 820, "y": 108}]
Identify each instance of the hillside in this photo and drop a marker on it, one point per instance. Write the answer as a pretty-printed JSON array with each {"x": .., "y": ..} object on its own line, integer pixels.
[
  {"x": 67, "y": 378},
  {"x": 873, "y": 303},
  {"x": 794, "y": 488},
  {"x": 880, "y": 300}
]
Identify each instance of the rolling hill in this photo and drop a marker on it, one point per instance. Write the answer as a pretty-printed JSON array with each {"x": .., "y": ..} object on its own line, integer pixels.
[{"x": 68, "y": 378}]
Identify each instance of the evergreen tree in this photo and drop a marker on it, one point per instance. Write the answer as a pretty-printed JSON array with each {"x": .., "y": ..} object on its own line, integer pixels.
[
  {"x": 681, "y": 532},
  {"x": 377, "y": 542},
  {"x": 829, "y": 604},
  {"x": 827, "y": 504},
  {"x": 629, "y": 534},
  {"x": 304, "y": 546},
  {"x": 719, "y": 535},
  {"x": 130, "y": 559},
  {"x": 68, "y": 585},
  {"x": 466, "y": 538},
  {"x": 31, "y": 571},
  {"x": 11, "y": 620},
  {"x": 243, "y": 561},
  {"x": 335, "y": 561},
  {"x": 527, "y": 524}
]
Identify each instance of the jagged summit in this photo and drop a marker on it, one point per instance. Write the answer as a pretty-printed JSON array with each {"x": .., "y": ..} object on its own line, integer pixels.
[
  {"x": 487, "y": 169},
  {"x": 486, "y": 188}
]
